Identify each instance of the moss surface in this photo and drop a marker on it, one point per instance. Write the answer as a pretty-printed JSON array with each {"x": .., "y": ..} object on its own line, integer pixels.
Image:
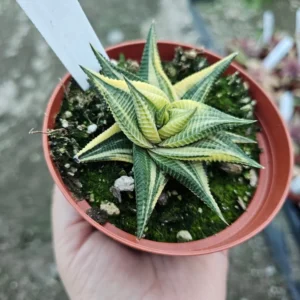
[{"x": 183, "y": 211}]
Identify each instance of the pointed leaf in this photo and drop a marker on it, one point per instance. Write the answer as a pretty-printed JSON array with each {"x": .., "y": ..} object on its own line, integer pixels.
[
  {"x": 184, "y": 104},
  {"x": 151, "y": 69},
  {"x": 112, "y": 71},
  {"x": 162, "y": 116},
  {"x": 99, "y": 139},
  {"x": 216, "y": 148},
  {"x": 121, "y": 105},
  {"x": 145, "y": 113},
  {"x": 238, "y": 139},
  {"x": 197, "y": 86},
  {"x": 206, "y": 121},
  {"x": 115, "y": 148},
  {"x": 149, "y": 184},
  {"x": 191, "y": 175},
  {"x": 179, "y": 118}
]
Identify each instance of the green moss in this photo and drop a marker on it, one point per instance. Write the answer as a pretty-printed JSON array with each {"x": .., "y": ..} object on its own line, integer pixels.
[{"x": 183, "y": 211}]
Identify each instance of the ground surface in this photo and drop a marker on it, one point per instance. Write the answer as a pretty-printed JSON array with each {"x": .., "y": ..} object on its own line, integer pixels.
[{"x": 29, "y": 71}]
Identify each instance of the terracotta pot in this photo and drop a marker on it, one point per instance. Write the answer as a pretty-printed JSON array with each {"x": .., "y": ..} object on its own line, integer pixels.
[
  {"x": 294, "y": 197},
  {"x": 273, "y": 183}
]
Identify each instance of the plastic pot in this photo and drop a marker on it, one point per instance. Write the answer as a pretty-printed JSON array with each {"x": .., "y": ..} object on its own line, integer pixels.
[{"x": 273, "y": 181}]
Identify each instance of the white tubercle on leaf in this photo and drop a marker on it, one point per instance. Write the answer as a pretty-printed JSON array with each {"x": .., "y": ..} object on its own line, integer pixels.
[
  {"x": 268, "y": 27},
  {"x": 278, "y": 53},
  {"x": 66, "y": 29}
]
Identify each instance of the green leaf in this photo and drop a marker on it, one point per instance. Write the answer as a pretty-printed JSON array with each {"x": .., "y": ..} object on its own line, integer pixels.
[
  {"x": 238, "y": 139},
  {"x": 145, "y": 112},
  {"x": 112, "y": 71},
  {"x": 179, "y": 118},
  {"x": 121, "y": 105},
  {"x": 206, "y": 121},
  {"x": 99, "y": 139},
  {"x": 162, "y": 116},
  {"x": 197, "y": 86},
  {"x": 191, "y": 175},
  {"x": 215, "y": 148},
  {"x": 116, "y": 148},
  {"x": 149, "y": 184},
  {"x": 151, "y": 69}
]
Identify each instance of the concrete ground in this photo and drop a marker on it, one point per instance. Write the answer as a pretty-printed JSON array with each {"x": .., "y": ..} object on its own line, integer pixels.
[{"x": 29, "y": 71}]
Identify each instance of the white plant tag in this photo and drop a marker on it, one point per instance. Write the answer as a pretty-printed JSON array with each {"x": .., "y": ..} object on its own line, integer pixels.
[
  {"x": 286, "y": 106},
  {"x": 66, "y": 29},
  {"x": 297, "y": 33},
  {"x": 268, "y": 27},
  {"x": 278, "y": 53}
]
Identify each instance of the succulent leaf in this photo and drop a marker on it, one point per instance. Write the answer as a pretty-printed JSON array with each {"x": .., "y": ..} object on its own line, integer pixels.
[
  {"x": 122, "y": 108},
  {"x": 192, "y": 175},
  {"x": 197, "y": 86},
  {"x": 112, "y": 71},
  {"x": 162, "y": 116},
  {"x": 145, "y": 113},
  {"x": 99, "y": 139},
  {"x": 216, "y": 148},
  {"x": 116, "y": 148},
  {"x": 238, "y": 139},
  {"x": 206, "y": 121},
  {"x": 179, "y": 118},
  {"x": 151, "y": 69},
  {"x": 149, "y": 184}
]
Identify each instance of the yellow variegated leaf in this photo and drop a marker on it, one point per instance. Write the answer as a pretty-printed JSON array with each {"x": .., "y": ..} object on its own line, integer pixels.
[
  {"x": 191, "y": 175},
  {"x": 216, "y": 148},
  {"x": 122, "y": 108},
  {"x": 179, "y": 118},
  {"x": 145, "y": 113},
  {"x": 117, "y": 148},
  {"x": 185, "y": 104},
  {"x": 206, "y": 121},
  {"x": 197, "y": 86},
  {"x": 151, "y": 69},
  {"x": 99, "y": 139},
  {"x": 149, "y": 184},
  {"x": 112, "y": 71}
]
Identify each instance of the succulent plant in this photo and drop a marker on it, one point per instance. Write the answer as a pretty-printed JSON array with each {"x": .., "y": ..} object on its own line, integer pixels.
[{"x": 163, "y": 130}]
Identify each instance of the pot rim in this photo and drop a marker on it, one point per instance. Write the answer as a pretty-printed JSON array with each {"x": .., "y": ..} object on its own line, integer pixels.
[{"x": 178, "y": 249}]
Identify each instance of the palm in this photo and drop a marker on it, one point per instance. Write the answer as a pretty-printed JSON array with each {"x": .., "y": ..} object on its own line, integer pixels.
[{"x": 93, "y": 266}]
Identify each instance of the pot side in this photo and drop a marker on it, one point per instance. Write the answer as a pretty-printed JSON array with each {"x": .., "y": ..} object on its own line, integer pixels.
[{"x": 273, "y": 182}]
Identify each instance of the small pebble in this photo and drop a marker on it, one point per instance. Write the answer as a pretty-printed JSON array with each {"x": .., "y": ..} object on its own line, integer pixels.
[
  {"x": 67, "y": 166},
  {"x": 231, "y": 168},
  {"x": 124, "y": 183},
  {"x": 91, "y": 128},
  {"x": 110, "y": 208},
  {"x": 253, "y": 178},
  {"x": 64, "y": 123},
  {"x": 163, "y": 199},
  {"x": 68, "y": 114},
  {"x": 200, "y": 210},
  {"x": 184, "y": 236}
]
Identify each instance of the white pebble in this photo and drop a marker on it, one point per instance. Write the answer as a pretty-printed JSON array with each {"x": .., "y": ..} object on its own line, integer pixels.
[
  {"x": 91, "y": 128},
  {"x": 64, "y": 123},
  {"x": 184, "y": 236},
  {"x": 110, "y": 208},
  {"x": 253, "y": 178},
  {"x": 124, "y": 183}
]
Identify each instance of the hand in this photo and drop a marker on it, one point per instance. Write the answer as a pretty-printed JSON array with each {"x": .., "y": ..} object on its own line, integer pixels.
[{"x": 93, "y": 266}]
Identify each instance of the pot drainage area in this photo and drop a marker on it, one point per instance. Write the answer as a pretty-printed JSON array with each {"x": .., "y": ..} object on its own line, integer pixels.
[{"x": 29, "y": 72}]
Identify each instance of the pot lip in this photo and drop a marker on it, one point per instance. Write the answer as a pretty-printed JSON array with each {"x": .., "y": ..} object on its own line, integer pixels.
[{"x": 173, "y": 252}]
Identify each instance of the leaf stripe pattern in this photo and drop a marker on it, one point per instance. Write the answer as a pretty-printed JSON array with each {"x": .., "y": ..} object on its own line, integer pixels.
[
  {"x": 197, "y": 86},
  {"x": 122, "y": 108},
  {"x": 191, "y": 175},
  {"x": 149, "y": 183},
  {"x": 145, "y": 114},
  {"x": 117, "y": 147},
  {"x": 112, "y": 71},
  {"x": 151, "y": 69},
  {"x": 235, "y": 138},
  {"x": 206, "y": 121},
  {"x": 216, "y": 148}
]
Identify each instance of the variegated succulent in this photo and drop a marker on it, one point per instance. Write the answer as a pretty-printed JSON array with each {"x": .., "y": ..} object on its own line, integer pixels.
[{"x": 164, "y": 130}]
